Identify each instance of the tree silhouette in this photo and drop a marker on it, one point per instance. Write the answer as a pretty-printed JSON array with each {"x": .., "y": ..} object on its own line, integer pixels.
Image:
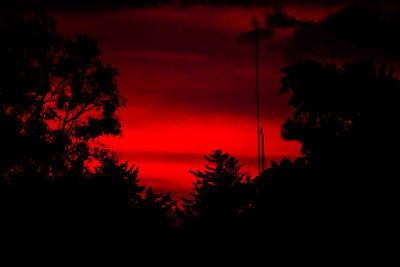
[
  {"x": 343, "y": 186},
  {"x": 119, "y": 180},
  {"x": 220, "y": 193},
  {"x": 343, "y": 115},
  {"x": 56, "y": 98},
  {"x": 115, "y": 185},
  {"x": 158, "y": 210}
]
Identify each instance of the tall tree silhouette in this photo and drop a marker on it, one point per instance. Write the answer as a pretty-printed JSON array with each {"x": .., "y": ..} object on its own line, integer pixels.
[
  {"x": 343, "y": 115},
  {"x": 343, "y": 185},
  {"x": 56, "y": 98},
  {"x": 220, "y": 192}
]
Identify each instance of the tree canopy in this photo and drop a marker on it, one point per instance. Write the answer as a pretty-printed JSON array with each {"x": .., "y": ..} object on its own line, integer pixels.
[
  {"x": 343, "y": 116},
  {"x": 56, "y": 98},
  {"x": 343, "y": 185}
]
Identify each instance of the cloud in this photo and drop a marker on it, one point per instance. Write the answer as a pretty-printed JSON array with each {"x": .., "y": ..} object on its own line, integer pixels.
[
  {"x": 15, "y": 6},
  {"x": 362, "y": 29},
  {"x": 18, "y": 6},
  {"x": 372, "y": 25},
  {"x": 279, "y": 19},
  {"x": 259, "y": 2},
  {"x": 249, "y": 36}
]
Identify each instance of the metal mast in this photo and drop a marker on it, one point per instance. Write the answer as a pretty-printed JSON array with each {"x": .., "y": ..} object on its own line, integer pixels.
[
  {"x": 262, "y": 150},
  {"x": 258, "y": 100}
]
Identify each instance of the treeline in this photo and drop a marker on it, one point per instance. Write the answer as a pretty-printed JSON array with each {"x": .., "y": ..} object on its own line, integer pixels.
[{"x": 57, "y": 98}]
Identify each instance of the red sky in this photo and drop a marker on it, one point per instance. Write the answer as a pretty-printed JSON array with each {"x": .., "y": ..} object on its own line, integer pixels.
[{"x": 190, "y": 86}]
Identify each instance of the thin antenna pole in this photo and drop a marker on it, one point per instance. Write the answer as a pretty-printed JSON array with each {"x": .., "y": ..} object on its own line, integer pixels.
[
  {"x": 262, "y": 150},
  {"x": 258, "y": 100}
]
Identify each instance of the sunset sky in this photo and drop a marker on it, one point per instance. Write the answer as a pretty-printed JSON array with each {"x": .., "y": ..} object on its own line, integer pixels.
[{"x": 187, "y": 70}]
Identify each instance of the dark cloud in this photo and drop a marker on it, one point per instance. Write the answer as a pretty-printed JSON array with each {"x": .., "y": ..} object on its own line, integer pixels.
[
  {"x": 249, "y": 36},
  {"x": 362, "y": 29},
  {"x": 279, "y": 19},
  {"x": 18, "y": 6},
  {"x": 311, "y": 40},
  {"x": 260, "y": 2},
  {"x": 372, "y": 25},
  {"x": 12, "y": 6}
]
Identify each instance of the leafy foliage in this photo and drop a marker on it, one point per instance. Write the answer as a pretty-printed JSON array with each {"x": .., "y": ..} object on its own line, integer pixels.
[
  {"x": 56, "y": 98},
  {"x": 345, "y": 117},
  {"x": 341, "y": 114}
]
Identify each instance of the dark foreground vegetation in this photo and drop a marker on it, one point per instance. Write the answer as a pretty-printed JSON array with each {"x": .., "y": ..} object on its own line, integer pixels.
[{"x": 57, "y": 98}]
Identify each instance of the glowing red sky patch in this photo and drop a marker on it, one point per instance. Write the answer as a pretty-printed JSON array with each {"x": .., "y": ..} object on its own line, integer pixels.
[{"x": 190, "y": 87}]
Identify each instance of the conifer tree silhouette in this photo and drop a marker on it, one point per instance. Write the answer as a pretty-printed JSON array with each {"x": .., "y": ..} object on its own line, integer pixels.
[{"x": 220, "y": 192}]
